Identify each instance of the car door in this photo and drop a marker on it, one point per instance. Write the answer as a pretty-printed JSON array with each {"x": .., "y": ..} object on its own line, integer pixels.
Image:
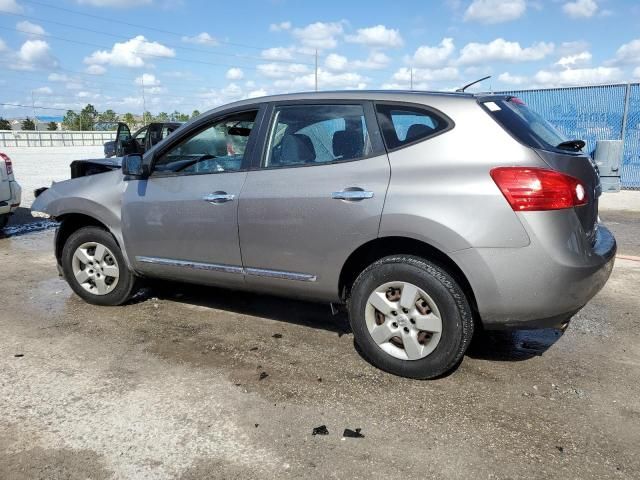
[
  {"x": 182, "y": 222},
  {"x": 314, "y": 195}
]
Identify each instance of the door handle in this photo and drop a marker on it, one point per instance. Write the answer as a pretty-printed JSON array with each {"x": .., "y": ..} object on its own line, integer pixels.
[
  {"x": 352, "y": 194},
  {"x": 218, "y": 197}
]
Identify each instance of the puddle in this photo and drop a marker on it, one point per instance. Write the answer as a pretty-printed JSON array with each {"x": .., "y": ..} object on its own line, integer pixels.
[{"x": 25, "y": 228}]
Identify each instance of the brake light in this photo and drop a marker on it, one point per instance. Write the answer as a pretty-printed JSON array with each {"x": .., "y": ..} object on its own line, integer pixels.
[
  {"x": 534, "y": 189},
  {"x": 7, "y": 162}
]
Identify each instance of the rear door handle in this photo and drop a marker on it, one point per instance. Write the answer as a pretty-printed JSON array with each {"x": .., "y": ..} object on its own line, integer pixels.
[
  {"x": 352, "y": 194},
  {"x": 218, "y": 197}
]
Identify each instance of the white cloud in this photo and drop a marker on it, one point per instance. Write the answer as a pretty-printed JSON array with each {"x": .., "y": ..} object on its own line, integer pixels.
[
  {"x": 3, "y": 46},
  {"x": 504, "y": 51},
  {"x": 115, "y": 3},
  {"x": 202, "y": 38},
  {"x": 279, "y": 27},
  {"x": 326, "y": 80},
  {"x": 426, "y": 74},
  {"x": 571, "y": 48},
  {"x": 234, "y": 74},
  {"x": 335, "y": 62},
  {"x": 569, "y": 61},
  {"x": 495, "y": 11},
  {"x": 29, "y": 28},
  {"x": 147, "y": 80},
  {"x": 378, "y": 36},
  {"x": 43, "y": 91},
  {"x": 131, "y": 53},
  {"x": 58, "y": 77},
  {"x": 506, "y": 77},
  {"x": 375, "y": 61},
  {"x": 578, "y": 76},
  {"x": 260, "y": 92},
  {"x": 35, "y": 54},
  {"x": 636, "y": 72},
  {"x": 96, "y": 70},
  {"x": 628, "y": 53},
  {"x": 278, "y": 53},
  {"x": 10, "y": 6},
  {"x": 426, "y": 56},
  {"x": 319, "y": 35},
  {"x": 580, "y": 8},
  {"x": 279, "y": 70}
]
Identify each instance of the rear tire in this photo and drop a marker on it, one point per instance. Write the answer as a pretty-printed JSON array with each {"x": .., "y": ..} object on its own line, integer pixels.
[
  {"x": 95, "y": 269},
  {"x": 4, "y": 219},
  {"x": 410, "y": 317}
]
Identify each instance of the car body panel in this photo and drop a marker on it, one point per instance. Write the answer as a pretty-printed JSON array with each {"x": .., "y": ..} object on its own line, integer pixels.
[{"x": 10, "y": 191}]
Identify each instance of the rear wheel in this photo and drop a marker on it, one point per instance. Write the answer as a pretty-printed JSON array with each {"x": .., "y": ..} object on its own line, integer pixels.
[
  {"x": 4, "y": 219},
  {"x": 409, "y": 317},
  {"x": 95, "y": 269}
]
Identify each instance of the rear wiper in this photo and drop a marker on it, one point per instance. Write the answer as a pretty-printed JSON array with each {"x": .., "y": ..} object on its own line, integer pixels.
[{"x": 573, "y": 145}]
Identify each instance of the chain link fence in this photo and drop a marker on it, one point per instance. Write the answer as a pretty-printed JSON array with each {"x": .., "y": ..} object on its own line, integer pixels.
[{"x": 592, "y": 113}]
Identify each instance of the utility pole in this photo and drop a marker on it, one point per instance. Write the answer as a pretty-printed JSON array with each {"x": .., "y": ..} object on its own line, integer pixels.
[
  {"x": 144, "y": 102},
  {"x": 316, "y": 69},
  {"x": 410, "y": 78}
]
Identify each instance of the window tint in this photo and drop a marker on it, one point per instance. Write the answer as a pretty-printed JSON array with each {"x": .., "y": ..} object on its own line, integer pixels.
[
  {"x": 219, "y": 147},
  {"x": 315, "y": 134},
  {"x": 402, "y": 125}
]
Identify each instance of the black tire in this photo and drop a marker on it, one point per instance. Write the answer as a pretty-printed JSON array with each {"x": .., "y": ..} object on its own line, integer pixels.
[
  {"x": 127, "y": 281},
  {"x": 456, "y": 315},
  {"x": 4, "y": 219}
]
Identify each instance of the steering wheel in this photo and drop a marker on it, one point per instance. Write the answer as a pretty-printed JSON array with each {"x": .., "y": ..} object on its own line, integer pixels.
[{"x": 199, "y": 159}]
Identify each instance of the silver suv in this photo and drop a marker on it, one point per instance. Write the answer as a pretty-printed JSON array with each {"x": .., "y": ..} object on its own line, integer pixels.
[{"x": 427, "y": 214}]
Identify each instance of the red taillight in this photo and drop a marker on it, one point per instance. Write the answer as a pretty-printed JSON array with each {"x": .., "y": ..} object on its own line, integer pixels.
[
  {"x": 7, "y": 162},
  {"x": 530, "y": 189}
]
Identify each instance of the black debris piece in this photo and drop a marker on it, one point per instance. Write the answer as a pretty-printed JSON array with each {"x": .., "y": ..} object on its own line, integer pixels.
[
  {"x": 263, "y": 375},
  {"x": 277, "y": 335},
  {"x": 19, "y": 355},
  {"x": 351, "y": 434},
  {"x": 321, "y": 430},
  {"x": 319, "y": 379},
  {"x": 560, "y": 449},
  {"x": 253, "y": 349},
  {"x": 257, "y": 424}
]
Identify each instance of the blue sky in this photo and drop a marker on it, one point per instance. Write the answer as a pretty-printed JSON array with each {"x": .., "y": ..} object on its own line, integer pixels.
[{"x": 197, "y": 54}]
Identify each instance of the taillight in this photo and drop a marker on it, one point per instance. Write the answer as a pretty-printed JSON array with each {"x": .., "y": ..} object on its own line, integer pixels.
[
  {"x": 7, "y": 162},
  {"x": 531, "y": 189}
]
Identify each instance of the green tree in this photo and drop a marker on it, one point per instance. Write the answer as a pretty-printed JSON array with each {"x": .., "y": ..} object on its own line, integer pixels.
[
  {"x": 195, "y": 113},
  {"x": 28, "y": 124},
  {"x": 52, "y": 126},
  {"x": 88, "y": 117},
  {"x": 108, "y": 116},
  {"x": 129, "y": 119},
  {"x": 5, "y": 124},
  {"x": 147, "y": 117},
  {"x": 71, "y": 121},
  {"x": 179, "y": 117},
  {"x": 161, "y": 117}
]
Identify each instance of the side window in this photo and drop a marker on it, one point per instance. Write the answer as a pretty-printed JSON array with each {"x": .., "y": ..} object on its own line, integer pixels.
[
  {"x": 140, "y": 136},
  {"x": 402, "y": 124},
  {"x": 218, "y": 147},
  {"x": 317, "y": 134}
]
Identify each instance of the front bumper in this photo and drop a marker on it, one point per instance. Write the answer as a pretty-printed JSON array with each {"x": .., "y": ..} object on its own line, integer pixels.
[{"x": 543, "y": 284}]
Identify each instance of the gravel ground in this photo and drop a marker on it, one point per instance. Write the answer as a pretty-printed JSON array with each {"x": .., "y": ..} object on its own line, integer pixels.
[{"x": 170, "y": 386}]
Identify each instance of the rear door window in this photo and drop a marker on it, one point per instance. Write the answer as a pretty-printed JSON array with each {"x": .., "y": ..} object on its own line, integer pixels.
[{"x": 403, "y": 125}]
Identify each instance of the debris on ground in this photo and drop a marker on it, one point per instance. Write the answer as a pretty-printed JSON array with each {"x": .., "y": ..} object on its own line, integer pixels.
[
  {"x": 19, "y": 355},
  {"x": 319, "y": 379},
  {"x": 257, "y": 425},
  {"x": 352, "y": 434},
  {"x": 253, "y": 349},
  {"x": 263, "y": 375},
  {"x": 277, "y": 335},
  {"x": 321, "y": 430},
  {"x": 560, "y": 449}
]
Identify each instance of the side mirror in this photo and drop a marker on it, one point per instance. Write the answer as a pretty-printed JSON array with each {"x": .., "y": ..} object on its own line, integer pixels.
[{"x": 134, "y": 166}]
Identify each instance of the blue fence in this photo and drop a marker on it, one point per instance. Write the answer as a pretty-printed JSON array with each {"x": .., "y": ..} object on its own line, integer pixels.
[{"x": 606, "y": 112}]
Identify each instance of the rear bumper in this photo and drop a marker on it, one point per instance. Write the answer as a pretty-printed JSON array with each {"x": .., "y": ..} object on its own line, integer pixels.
[
  {"x": 11, "y": 205},
  {"x": 545, "y": 283}
]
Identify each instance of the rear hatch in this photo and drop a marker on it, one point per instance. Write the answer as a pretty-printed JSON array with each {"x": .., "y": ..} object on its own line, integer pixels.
[
  {"x": 5, "y": 187},
  {"x": 560, "y": 153}
]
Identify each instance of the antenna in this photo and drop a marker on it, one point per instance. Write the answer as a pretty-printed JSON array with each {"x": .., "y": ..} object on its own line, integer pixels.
[{"x": 473, "y": 83}]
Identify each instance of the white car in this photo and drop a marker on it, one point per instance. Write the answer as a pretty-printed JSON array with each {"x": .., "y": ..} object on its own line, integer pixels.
[{"x": 10, "y": 191}]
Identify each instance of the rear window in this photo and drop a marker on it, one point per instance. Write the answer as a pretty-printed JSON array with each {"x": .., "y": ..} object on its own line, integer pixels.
[
  {"x": 525, "y": 124},
  {"x": 403, "y": 125}
]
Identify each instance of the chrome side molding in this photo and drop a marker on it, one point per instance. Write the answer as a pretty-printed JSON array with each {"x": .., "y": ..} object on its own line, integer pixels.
[{"x": 258, "y": 272}]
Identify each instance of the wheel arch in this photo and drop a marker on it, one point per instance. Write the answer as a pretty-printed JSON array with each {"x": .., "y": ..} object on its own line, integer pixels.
[
  {"x": 72, "y": 222},
  {"x": 381, "y": 247}
]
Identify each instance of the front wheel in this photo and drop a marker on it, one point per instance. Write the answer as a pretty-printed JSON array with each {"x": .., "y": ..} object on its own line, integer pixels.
[
  {"x": 410, "y": 317},
  {"x": 95, "y": 269},
  {"x": 4, "y": 219}
]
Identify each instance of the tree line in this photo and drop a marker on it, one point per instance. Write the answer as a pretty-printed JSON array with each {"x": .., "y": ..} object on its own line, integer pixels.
[{"x": 89, "y": 117}]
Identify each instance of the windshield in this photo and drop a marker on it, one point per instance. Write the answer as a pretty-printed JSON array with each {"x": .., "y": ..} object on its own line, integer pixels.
[{"x": 525, "y": 124}]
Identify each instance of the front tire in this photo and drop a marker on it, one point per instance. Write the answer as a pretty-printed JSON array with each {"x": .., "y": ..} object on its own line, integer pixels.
[
  {"x": 95, "y": 269},
  {"x": 410, "y": 317},
  {"x": 4, "y": 219}
]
